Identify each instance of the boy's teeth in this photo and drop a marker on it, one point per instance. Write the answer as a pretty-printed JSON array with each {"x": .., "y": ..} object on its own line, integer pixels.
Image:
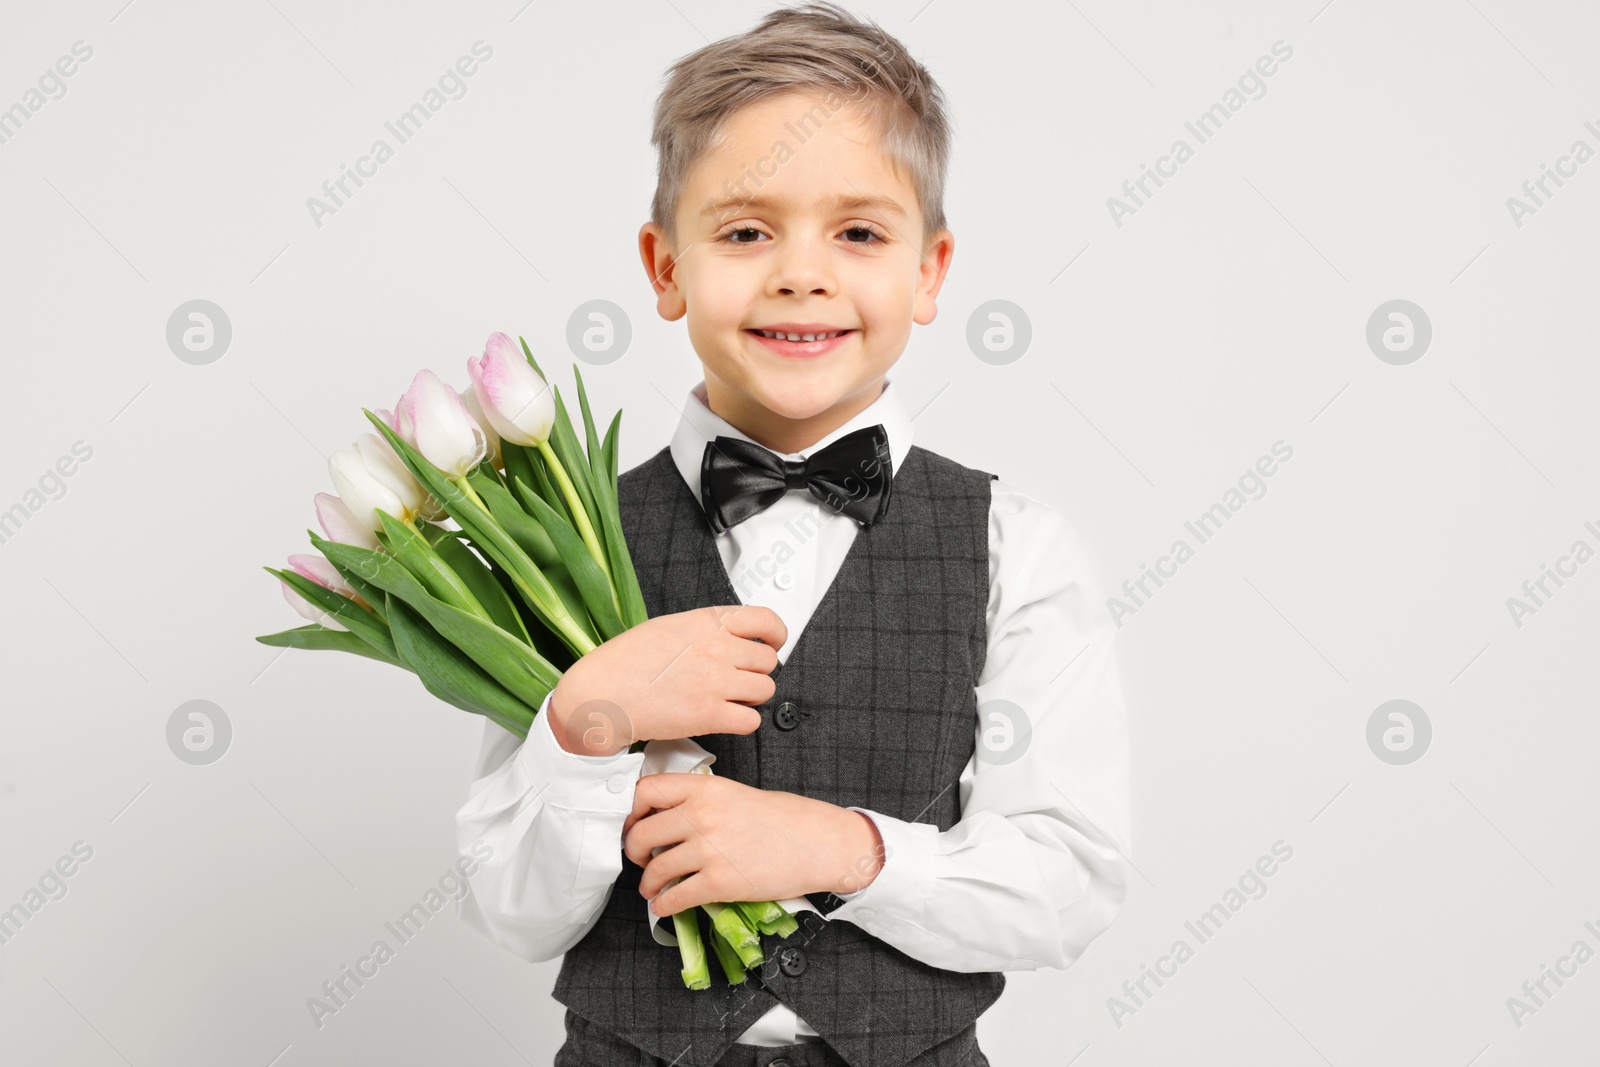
[{"x": 800, "y": 336}]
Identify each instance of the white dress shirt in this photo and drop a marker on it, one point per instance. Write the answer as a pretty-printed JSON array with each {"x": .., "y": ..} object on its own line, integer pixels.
[{"x": 1034, "y": 870}]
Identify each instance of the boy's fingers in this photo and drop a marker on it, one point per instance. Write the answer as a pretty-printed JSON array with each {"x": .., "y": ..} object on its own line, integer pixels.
[
  {"x": 660, "y": 871},
  {"x": 756, "y": 656},
  {"x": 736, "y": 719},
  {"x": 753, "y": 620},
  {"x": 686, "y": 894},
  {"x": 660, "y": 791},
  {"x": 637, "y": 846}
]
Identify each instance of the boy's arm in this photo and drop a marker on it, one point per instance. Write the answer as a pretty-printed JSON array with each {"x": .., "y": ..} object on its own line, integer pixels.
[
  {"x": 552, "y": 823},
  {"x": 1037, "y": 866}
]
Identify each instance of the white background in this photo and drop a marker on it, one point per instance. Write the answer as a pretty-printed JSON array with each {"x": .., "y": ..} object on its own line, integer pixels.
[{"x": 1228, "y": 313}]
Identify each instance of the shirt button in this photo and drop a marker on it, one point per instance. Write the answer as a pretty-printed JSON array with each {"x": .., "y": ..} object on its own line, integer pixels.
[
  {"x": 783, "y": 580},
  {"x": 617, "y": 783}
]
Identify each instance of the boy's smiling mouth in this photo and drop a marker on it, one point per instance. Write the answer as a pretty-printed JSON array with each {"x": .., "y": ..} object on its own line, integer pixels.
[{"x": 800, "y": 338}]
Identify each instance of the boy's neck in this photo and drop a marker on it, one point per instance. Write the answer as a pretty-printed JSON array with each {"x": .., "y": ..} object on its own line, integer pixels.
[{"x": 773, "y": 431}]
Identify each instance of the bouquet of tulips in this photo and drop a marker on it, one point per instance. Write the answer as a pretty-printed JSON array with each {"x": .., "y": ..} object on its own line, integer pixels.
[{"x": 489, "y": 615}]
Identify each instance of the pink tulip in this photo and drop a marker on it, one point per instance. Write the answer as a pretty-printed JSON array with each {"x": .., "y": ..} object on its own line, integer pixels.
[
  {"x": 392, "y": 420},
  {"x": 469, "y": 397},
  {"x": 516, "y": 401}
]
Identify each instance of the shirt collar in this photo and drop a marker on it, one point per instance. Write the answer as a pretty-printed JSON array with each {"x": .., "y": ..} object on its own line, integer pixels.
[{"x": 699, "y": 424}]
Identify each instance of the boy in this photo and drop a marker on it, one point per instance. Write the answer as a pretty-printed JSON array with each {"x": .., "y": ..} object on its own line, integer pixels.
[{"x": 830, "y": 605}]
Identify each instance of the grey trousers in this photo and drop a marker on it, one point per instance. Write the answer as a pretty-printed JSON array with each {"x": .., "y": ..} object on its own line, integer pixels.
[{"x": 588, "y": 1045}]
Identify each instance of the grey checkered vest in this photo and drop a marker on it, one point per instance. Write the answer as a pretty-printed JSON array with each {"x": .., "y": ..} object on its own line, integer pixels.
[{"x": 881, "y": 683}]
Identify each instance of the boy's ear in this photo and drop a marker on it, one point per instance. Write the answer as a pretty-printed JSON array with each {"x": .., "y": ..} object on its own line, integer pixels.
[
  {"x": 930, "y": 275},
  {"x": 662, "y": 268}
]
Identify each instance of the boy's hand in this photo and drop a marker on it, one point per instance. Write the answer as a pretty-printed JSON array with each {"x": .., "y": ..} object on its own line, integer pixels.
[
  {"x": 694, "y": 672},
  {"x": 737, "y": 842}
]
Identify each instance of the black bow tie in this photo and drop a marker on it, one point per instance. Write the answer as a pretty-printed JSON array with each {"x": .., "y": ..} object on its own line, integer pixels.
[{"x": 739, "y": 478}]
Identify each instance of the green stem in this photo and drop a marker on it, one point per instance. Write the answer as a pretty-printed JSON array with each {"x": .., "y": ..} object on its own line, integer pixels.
[
  {"x": 585, "y": 528},
  {"x": 557, "y": 609},
  {"x": 460, "y": 482}
]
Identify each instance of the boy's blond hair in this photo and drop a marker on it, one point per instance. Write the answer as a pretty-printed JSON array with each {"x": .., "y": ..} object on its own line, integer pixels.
[{"x": 811, "y": 47}]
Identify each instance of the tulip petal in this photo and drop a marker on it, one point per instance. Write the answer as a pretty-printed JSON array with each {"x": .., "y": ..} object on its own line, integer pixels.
[
  {"x": 360, "y": 491},
  {"x": 319, "y": 570},
  {"x": 309, "y": 610},
  {"x": 516, "y": 400},
  {"x": 469, "y": 398},
  {"x": 446, "y": 433},
  {"x": 341, "y": 524}
]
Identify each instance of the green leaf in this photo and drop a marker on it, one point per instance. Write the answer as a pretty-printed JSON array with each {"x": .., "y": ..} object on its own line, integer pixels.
[
  {"x": 549, "y": 492},
  {"x": 412, "y": 549},
  {"x": 568, "y": 591},
  {"x": 480, "y": 579},
  {"x": 432, "y": 532},
  {"x": 609, "y": 451},
  {"x": 590, "y": 439},
  {"x": 530, "y": 582},
  {"x": 546, "y": 641},
  {"x": 450, "y": 675},
  {"x": 372, "y": 595},
  {"x": 564, "y": 443},
  {"x": 355, "y": 618},
  {"x": 630, "y": 598},
  {"x": 317, "y": 637},
  {"x": 557, "y": 572},
  {"x": 512, "y": 663},
  {"x": 592, "y": 583},
  {"x": 528, "y": 534},
  {"x": 518, "y": 461}
]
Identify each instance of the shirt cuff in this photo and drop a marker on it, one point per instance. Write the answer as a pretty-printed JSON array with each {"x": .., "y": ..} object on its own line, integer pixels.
[
  {"x": 572, "y": 781},
  {"x": 904, "y": 883}
]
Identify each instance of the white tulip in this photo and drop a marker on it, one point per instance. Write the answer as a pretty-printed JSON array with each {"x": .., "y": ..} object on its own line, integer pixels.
[
  {"x": 370, "y": 477},
  {"x": 445, "y": 432},
  {"x": 340, "y": 524}
]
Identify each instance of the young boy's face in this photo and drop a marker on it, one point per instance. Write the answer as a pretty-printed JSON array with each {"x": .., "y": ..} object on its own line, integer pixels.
[{"x": 821, "y": 233}]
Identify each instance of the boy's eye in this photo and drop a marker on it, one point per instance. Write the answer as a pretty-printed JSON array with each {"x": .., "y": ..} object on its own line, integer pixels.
[
  {"x": 872, "y": 233},
  {"x": 729, "y": 236},
  {"x": 869, "y": 231}
]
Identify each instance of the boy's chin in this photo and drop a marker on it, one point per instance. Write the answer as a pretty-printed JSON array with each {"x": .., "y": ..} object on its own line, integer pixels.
[{"x": 801, "y": 394}]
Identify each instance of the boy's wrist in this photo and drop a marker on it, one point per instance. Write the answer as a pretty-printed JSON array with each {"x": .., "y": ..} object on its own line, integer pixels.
[
  {"x": 577, "y": 743},
  {"x": 863, "y": 853}
]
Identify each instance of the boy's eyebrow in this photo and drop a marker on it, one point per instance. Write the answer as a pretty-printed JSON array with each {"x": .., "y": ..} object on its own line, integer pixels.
[{"x": 842, "y": 201}]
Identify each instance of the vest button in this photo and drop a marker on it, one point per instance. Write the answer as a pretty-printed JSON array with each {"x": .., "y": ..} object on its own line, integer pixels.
[
  {"x": 788, "y": 715},
  {"x": 778, "y": 1063},
  {"x": 792, "y": 961}
]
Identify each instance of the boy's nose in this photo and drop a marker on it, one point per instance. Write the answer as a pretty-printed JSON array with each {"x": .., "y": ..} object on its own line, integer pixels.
[{"x": 802, "y": 267}]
